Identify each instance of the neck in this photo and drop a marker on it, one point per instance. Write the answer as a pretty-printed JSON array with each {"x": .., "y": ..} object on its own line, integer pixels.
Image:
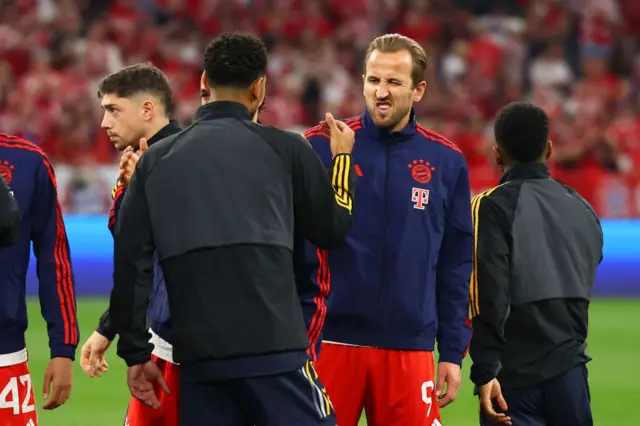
[
  {"x": 155, "y": 126},
  {"x": 402, "y": 123},
  {"x": 508, "y": 168},
  {"x": 229, "y": 96}
]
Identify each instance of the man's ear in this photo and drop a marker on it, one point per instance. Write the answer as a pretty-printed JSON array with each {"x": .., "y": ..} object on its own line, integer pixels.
[
  {"x": 418, "y": 91},
  {"x": 148, "y": 110},
  {"x": 259, "y": 89},
  {"x": 549, "y": 150},
  {"x": 204, "y": 82},
  {"x": 498, "y": 156}
]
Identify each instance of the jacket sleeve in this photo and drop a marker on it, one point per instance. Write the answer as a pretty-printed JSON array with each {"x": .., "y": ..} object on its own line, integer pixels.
[
  {"x": 133, "y": 272},
  {"x": 117, "y": 194},
  {"x": 9, "y": 215},
  {"x": 51, "y": 249},
  {"x": 323, "y": 204},
  {"x": 453, "y": 271},
  {"x": 105, "y": 325},
  {"x": 489, "y": 289}
]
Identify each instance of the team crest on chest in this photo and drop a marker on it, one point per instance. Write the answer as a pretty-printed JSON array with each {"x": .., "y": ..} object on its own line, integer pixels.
[
  {"x": 421, "y": 170},
  {"x": 6, "y": 170}
]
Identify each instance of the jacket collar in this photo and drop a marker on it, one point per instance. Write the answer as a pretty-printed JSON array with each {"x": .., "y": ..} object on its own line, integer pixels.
[
  {"x": 170, "y": 129},
  {"x": 527, "y": 171},
  {"x": 222, "y": 109},
  {"x": 380, "y": 133}
]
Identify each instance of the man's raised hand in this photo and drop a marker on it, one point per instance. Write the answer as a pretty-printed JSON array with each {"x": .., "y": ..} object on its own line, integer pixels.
[
  {"x": 129, "y": 160},
  {"x": 341, "y": 136}
]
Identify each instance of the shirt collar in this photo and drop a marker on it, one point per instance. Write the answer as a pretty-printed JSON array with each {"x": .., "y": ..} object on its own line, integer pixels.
[
  {"x": 527, "y": 171},
  {"x": 380, "y": 133}
]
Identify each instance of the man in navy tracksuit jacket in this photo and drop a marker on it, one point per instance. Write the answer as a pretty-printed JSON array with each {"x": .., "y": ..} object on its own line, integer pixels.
[
  {"x": 402, "y": 281},
  {"x": 32, "y": 183}
]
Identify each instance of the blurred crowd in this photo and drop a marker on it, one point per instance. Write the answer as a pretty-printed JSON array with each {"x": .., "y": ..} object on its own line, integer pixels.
[{"x": 578, "y": 59}]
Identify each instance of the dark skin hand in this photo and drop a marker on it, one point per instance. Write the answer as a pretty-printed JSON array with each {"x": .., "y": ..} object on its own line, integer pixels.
[{"x": 59, "y": 374}]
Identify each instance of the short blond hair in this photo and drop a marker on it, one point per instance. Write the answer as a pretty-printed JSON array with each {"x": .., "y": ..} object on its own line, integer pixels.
[{"x": 392, "y": 43}]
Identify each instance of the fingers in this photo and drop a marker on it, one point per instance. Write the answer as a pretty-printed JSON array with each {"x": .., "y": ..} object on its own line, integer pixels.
[
  {"x": 487, "y": 407},
  {"x": 445, "y": 400},
  {"x": 84, "y": 359},
  {"x": 143, "y": 391},
  {"x": 449, "y": 396},
  {"x": 103, "y": 365},
  {"x": 440, "y": 385},
  {"x": 95, "y": 362},
  {"x": 331, "y": 122},
  {"x": 502, "y": 403},
  {"x": 143, "y": 144},
  {"x": 46, "y": 385},
  {"x": 60, "y": 395},
  {"x": 163, "y": 384}
]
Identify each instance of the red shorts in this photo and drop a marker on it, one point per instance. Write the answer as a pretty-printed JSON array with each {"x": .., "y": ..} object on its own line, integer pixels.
[
  {"x": 139, "y": 414},
  {"x": 396, "y": 388},
  {"x": 17, "y": 400}
]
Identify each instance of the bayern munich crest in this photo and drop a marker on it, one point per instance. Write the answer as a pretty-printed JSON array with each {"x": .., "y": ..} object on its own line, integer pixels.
[
  {"x": 6, "y": 171},
  {"x": 421, "y": 170}
]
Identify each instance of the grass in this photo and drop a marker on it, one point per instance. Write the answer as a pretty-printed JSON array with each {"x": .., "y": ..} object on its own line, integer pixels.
[{"x": 614, "y": 344}]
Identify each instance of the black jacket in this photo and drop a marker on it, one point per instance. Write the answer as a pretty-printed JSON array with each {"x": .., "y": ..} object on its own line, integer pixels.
[
  {"x": 104, "y": 325},
  {"x": 9, "y": 215},
  {"x": 219, "y": 202},
  {"x": 538, "y": 245}
]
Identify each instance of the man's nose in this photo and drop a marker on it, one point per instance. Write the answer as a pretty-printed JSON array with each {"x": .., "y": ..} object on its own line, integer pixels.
[{"x": 382, "y": 92}]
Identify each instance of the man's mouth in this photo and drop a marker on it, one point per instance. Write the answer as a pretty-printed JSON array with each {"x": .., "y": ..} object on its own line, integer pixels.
[{"x": 383, "y": 106}]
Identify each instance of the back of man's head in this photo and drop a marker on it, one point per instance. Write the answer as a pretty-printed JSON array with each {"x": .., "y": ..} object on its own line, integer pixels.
[
  {"x": 521, "y": 131},
  {"x": 235, "y": 61}
]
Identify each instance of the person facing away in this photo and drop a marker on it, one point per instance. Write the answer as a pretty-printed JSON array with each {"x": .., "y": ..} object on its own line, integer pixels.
[
  {"x": 219, "y": 202},
  {"x": 537, "y": 247}
]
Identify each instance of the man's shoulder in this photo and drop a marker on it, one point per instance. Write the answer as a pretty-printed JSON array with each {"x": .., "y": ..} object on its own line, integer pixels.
[
  {"x": 436, "y": 140},
  {"x": 279, "y": 138},
  {"x": 22, "y": 149},
  {"x": 501, "y": 199}
]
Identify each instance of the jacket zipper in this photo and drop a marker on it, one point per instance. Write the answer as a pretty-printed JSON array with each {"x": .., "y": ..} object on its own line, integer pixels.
[{"x": 383, "y": 308}]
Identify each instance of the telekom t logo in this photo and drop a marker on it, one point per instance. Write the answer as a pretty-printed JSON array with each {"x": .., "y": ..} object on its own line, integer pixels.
[{"x": 420, "y": 198}]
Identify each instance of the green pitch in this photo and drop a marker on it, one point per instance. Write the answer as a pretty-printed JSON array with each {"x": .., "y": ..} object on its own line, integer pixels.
[{"x": 614, "y": 344}]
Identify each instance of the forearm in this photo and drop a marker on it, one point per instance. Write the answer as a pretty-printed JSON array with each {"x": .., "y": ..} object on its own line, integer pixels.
[
  {"x": 454, "y": 328},
  {"x": 486, "y": 352},
  {"x": 57, "y": 302}
]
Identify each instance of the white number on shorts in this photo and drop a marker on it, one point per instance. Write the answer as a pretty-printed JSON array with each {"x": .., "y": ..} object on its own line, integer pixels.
[
  {"x": 12, "y": 388},
  {"x": 427, "y": 389}
]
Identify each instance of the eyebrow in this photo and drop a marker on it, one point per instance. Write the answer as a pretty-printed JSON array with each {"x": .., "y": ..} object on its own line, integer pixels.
[{"x": 105, "y": 106}]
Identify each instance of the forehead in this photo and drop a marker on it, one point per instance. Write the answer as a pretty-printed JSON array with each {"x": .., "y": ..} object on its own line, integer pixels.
[
  {"x": 114, "y": 100},
  {"x": 392, "y": 64}
]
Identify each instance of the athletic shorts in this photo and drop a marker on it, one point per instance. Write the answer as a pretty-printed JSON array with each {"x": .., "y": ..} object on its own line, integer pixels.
[
  {"x": 17, "y": 399},
  {"x": 395, "y": 388}
]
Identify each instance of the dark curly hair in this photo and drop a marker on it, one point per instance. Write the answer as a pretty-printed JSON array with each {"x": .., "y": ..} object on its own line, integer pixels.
[
  {"x": 522, "y": 131},
  {"x": 138, "y": 78},
  {"x": 235, "y": 60}
]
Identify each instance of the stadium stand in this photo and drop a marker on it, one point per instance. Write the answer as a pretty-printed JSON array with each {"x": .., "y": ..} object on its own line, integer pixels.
[{"x": 578, "y": 59}]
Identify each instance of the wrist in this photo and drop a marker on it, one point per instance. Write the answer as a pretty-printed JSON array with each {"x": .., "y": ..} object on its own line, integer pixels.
[{"x": 63, "y": 351}]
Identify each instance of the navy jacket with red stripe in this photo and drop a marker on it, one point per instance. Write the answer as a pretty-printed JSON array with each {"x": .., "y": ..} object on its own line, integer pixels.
[
  {"x": 402, "y": 279},
  {"x": 30, "y": 175}
]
